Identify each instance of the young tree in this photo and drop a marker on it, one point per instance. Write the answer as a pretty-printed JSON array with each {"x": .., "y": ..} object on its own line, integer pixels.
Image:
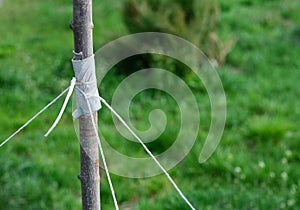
[{"x": 82, "y": 26}]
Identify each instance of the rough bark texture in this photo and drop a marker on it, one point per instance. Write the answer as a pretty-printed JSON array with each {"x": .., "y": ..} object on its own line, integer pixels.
[
  {"x": 82, "y": 26},
  {"x": 89, "y": 159},
  {"x": 89, "y": 164}
]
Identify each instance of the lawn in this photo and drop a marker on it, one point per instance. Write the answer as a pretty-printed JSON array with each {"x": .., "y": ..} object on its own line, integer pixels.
[{"x": 254, "y": 167}]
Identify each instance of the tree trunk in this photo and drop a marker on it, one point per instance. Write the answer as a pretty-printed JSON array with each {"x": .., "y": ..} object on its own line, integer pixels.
[{"x": 82, "y": 26}]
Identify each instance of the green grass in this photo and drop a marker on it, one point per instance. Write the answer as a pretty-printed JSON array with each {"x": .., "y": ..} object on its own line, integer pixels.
[{"x": 256, "y": 163}]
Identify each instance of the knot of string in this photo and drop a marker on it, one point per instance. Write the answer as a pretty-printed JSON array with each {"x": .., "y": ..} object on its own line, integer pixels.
[{"x": 69, "y": 94}]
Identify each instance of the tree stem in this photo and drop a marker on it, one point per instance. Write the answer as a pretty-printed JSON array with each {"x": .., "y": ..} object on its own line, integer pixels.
[{"x": 82, "y": 26}]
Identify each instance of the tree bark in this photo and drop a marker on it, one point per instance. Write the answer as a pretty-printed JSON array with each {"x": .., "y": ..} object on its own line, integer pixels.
[{"x": 82, "y": 26}]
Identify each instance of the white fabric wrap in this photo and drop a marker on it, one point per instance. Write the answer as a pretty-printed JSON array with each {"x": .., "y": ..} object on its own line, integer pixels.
[{"x": 87, "y": 83}]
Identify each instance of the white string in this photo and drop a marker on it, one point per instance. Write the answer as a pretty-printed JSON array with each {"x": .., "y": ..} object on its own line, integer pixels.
[
  {"x": 148, "y": 151},
  {"x": 101, "y": 151},
  {"x": 71, "y": 88},
  {"x": 35, "y": 116}
]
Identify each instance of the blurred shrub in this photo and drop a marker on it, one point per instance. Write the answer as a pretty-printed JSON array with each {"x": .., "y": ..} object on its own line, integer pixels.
[{"x": 195, "y": 20}]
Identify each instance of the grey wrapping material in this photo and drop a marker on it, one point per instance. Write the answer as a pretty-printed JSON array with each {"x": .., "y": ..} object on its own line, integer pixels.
[{"x": 86, "y": 81}]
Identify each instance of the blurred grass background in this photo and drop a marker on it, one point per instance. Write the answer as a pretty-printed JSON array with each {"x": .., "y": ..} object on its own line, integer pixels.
[{"x": 254, "y": 167}]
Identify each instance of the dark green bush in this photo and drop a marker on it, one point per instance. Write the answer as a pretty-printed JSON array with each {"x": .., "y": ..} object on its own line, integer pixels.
[{"x": 195, "y": 21}]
